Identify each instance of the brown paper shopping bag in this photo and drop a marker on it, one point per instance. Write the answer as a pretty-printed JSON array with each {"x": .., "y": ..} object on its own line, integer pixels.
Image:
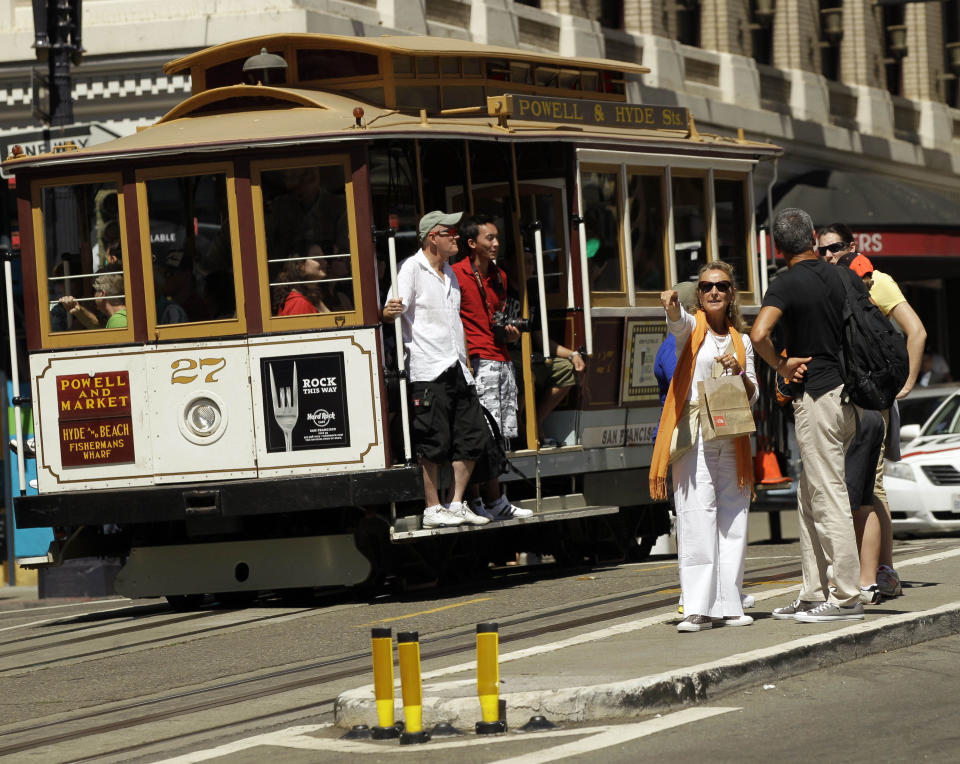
[{"x": 724, "y": 408}]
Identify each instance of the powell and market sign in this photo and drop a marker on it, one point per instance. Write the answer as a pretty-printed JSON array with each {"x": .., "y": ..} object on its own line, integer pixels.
[{"x": 572, "y": 111}]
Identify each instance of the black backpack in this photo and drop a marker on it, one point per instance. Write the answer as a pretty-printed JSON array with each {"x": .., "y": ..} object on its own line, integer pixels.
[{"x": 873, "y": 354}]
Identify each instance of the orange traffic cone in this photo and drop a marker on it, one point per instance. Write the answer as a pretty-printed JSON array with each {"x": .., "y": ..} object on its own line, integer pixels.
[{"x": 766, "y": 469}]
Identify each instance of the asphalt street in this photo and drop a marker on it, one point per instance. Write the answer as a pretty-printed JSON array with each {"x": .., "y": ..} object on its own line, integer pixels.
[{"x": 120, "y": 681}]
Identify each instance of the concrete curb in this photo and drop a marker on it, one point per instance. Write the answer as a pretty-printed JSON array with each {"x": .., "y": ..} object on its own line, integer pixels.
[{"x": 627, "y": 699}]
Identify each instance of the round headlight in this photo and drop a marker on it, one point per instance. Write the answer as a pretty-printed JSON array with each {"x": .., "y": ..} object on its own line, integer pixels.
[{"x": 203, "y": 417}]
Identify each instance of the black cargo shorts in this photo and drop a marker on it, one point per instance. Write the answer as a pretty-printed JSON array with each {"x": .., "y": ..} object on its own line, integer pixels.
[{"x": 448, "y": 424}]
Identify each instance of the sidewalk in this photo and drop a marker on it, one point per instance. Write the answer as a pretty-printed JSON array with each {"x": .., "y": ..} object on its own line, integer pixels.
[{"x": 623, "y": 670}]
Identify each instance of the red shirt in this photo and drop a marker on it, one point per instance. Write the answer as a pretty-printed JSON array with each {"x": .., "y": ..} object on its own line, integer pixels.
[
  {"x": 476, "y": 320},
  {"x": 296, "y": 304}
]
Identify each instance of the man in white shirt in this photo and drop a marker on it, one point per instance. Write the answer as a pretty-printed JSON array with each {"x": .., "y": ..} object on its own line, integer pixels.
[{"x": 448, "y": 423}]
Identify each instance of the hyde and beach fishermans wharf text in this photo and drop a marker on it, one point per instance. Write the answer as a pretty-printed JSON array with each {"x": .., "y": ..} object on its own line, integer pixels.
[{"x": 95, "y": 422}]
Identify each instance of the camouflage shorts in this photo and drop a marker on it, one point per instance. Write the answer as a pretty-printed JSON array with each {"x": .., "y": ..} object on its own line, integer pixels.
[{"x": 497, "y": 390}]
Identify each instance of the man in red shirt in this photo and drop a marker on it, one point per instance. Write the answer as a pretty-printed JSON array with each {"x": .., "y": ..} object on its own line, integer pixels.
[{"x": 483, "y": 292}]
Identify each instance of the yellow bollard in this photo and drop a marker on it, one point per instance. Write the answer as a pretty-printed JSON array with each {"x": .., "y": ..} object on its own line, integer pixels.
[
  {"x": 488, "y": 679},
  {"x": 408, "y": 652},
  {"x": 382, "y": 640}
]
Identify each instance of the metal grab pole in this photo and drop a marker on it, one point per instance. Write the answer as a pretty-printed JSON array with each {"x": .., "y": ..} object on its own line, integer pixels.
[
  {"x": 14, "y": 373},
  {"x": 764, "y": 275},
  {"x": 541, "y": 288},
  {"x": 585, "y": 279},
  {"x": 398, "y": 333}
]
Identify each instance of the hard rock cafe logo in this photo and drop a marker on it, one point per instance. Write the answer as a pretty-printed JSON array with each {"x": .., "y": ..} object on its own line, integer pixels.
[{"x": 321, "y": 417}]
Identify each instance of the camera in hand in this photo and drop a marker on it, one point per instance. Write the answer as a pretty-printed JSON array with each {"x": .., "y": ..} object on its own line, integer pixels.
[{"x": 500, "y": 321}]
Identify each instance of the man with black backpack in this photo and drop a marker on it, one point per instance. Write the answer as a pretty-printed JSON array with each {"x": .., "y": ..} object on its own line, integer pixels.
[
  {"x": 809, "y": 301},
  {"x": 838, "y": 245}
]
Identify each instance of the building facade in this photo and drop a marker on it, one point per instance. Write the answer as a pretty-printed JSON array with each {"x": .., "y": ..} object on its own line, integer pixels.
[{"x": 858, "y": 92}]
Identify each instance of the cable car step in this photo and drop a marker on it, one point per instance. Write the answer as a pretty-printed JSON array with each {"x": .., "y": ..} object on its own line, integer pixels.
[{"x": 552, "y": 508}]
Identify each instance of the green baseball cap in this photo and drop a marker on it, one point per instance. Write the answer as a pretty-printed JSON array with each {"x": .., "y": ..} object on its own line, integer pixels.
[{"x": 438, "y": 217}]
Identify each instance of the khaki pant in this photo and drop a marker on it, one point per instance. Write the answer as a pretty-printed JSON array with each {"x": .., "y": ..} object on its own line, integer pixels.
[{"x": 828, "y": 546}]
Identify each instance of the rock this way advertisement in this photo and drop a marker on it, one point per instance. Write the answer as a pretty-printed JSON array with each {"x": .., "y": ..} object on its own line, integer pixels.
[{"x": 305, "y": 402}]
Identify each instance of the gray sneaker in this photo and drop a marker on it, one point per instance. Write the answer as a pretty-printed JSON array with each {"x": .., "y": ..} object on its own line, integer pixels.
[
  {"x": 462, "y": 510},
  {"x": 479, "y": 508},
  {"x": 438, "y": 516},
  {"x": 888, "y": 582},
  {"x": 502, "y": 509},
  {"x": 870, "y": 595},
  {"x": 789, "y": 612},
  {"x": 827, "y": 611}
]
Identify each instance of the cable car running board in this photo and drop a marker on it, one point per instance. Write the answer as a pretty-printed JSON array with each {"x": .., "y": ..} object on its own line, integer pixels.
[{"x": 552, "y": 509}]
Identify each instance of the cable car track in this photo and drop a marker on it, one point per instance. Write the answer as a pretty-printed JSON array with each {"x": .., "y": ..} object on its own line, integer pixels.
[{"x": 288, "y": 680}]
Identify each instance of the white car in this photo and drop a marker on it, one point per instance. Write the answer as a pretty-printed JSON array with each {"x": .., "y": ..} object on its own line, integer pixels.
[{"x": 923, "y": 489}]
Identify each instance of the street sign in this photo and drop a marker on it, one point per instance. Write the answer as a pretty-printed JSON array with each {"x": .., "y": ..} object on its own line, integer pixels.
[
  {"x": 574, "y": 111},
  {"x": 41, "y": 141}
]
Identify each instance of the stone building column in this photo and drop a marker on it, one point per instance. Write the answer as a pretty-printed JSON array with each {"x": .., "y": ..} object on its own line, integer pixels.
[
  {"x": 796, "y": 37},
  {"x": 587, "y": 9},
  {"x": 923, "y": 70},
  {"x": 724, "y": 26},
  {"x": 924, "y": 63},
  {"x": 862, "y": 66},
  {"x": 404, "y": 15},
  {"x": 648, "y": 17},
  {"x": 492, "y": 22}
]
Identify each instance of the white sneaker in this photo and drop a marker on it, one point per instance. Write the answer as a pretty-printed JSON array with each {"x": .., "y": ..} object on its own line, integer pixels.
[
  {"x": 502, "y": 509},
  {"x": 438, "y": 516},
  {"x": 747, "y": 600},
  {"x": 477, "y": 507},
  {"x": 462, "y": 511}
]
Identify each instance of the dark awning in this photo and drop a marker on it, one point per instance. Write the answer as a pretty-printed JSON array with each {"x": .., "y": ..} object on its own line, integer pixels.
[{"x": 864, "y": 201}]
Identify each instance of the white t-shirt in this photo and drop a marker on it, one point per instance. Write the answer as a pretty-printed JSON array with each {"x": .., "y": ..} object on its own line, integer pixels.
[
  {"x": 432, "y": 330},
  {"x": 712, "y": 347}
]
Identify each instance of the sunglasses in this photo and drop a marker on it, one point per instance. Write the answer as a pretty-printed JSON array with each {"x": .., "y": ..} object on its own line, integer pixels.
[
  {"x": 706, "y": 286},
  {"x": 452, "y": 232},
  {"x": 834, "y": 248}
]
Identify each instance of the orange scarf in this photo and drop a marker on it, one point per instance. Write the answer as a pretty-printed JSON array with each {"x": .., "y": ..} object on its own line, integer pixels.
[{"x": 677, "y": 398}]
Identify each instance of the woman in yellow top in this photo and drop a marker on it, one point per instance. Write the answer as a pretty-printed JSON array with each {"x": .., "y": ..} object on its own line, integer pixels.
[{"x": 711, "y": 480}]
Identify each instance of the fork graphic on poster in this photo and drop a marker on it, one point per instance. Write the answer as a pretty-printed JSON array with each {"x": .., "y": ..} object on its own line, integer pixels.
[{"x": 285, "y": 407}]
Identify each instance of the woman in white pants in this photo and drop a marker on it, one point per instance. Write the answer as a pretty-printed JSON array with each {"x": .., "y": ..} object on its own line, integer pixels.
[{"x": 712, "y": 480}]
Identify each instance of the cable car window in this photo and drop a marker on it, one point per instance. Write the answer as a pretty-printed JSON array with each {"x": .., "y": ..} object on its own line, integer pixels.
[
  {"x": 646, "y": 232},
  {"x": 403, "y": 65},
  {"x": 689, "y": 226},
  {"x": 460, "y": 97},
  {"x": 308, "y": 240},
  {"x": 450, "y": 67},
  {"x": 231, "y": 73},
  {"x": 600, "y": 195},
  {"x": 426, "y": 66},
  {"x": 329, "y": 64},
  {"x": 732, "y": 228},
  {"x": 190, "y": 248},
  {"x": 471, "y": 67},
  {"x": 84, "y": 257},
  {"x": 417, "y": 98}
]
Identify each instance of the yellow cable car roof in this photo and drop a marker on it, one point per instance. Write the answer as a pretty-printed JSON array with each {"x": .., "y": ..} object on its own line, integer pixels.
[
  {"x": 245, "y": 116},
  {"x": 408, "y": 45}
]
